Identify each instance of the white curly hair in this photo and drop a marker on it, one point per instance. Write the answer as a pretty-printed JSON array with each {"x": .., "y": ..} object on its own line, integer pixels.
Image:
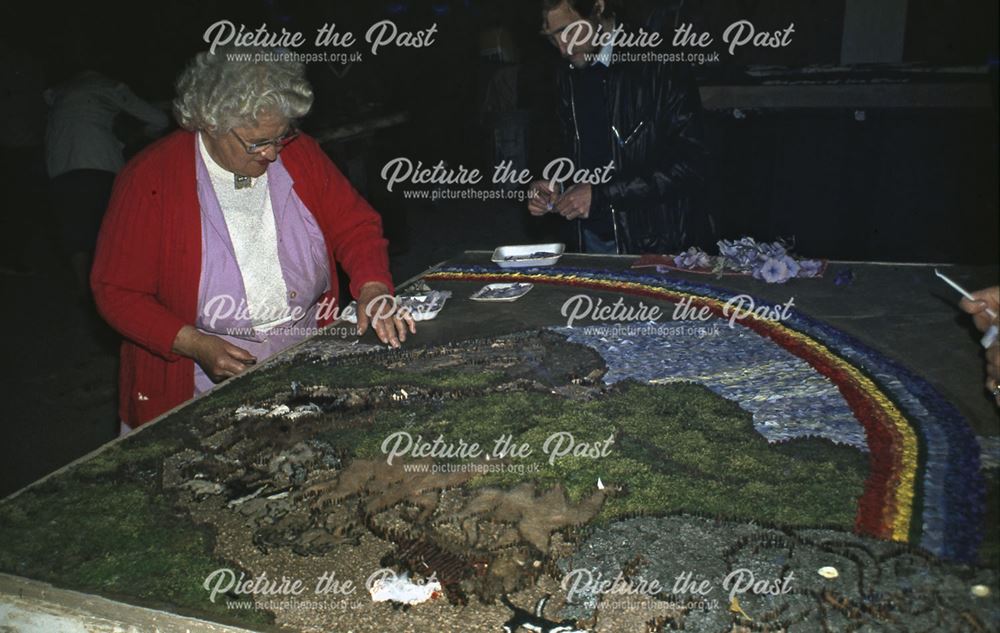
[{"x": 218, "y": 92}]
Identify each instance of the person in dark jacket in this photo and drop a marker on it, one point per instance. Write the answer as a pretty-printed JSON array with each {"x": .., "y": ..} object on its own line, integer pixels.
[{"x": 642, "y": 119}]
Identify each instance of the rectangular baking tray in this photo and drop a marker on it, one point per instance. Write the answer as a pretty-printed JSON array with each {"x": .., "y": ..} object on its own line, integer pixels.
[{"x": 519, "y": 256}]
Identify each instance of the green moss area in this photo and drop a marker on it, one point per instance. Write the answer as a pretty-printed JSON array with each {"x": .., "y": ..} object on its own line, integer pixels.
[
  {"x": 262, "y": 386},
  {"x": 678, "y": 447},
  {"x": 103, "y": 528},
  {"x": 106, "y": 527}
]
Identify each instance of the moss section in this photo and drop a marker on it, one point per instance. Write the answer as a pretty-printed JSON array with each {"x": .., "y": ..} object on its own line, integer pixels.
[
  {"x": 678, "y": 447},
  {"x": 124, "y": 459},
  {"x": 105, "y": 527},
  {"x": 102, "y": 528},
  {"x": 263, "y": 386},
  {"x": 367, "y": 375}
]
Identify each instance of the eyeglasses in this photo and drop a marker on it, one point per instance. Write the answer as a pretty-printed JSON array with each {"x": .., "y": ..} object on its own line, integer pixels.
[{"x": 261, "y": 147}]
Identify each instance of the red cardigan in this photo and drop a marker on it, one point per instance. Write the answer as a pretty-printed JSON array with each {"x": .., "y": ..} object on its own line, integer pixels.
[{"x": 147, "y": 267}]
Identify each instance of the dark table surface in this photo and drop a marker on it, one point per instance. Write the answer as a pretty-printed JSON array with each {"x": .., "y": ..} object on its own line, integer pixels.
[{"x": 902, "y": 310}]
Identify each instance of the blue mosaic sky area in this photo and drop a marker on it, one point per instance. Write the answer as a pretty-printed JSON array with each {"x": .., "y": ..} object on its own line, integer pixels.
[{"x": 787, "y": 397}]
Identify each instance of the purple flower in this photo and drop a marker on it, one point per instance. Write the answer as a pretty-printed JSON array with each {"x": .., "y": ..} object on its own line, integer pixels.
[
  {"x": 775, "y": 250},
  {"x": 741, "y": 256},
  {"x": 747, "y": 261},
  {"x": 810, "y": 267},
  {"x": 747, "y": 256},
  {"x": 693, "y": 258},
  {"x": 728, "y": 249},
  {"x": 793, "y": 266},
  {"x": 773, "y": 271}
]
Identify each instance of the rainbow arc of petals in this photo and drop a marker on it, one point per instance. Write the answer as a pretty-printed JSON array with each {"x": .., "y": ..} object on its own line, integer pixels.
[{"x": 924, "y": 484}]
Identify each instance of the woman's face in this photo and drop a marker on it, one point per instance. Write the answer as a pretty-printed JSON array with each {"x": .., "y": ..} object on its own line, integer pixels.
[{"x": 229, "y": 150}]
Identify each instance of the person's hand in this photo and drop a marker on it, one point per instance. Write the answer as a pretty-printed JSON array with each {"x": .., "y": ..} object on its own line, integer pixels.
[
  {"x": 541, "y": 198},
  {"x": 218, "y": 358},
  {"x": 985, "y": 298},
  {"x": 376, "y": 307},
  {"x": 575, "y": 202}
]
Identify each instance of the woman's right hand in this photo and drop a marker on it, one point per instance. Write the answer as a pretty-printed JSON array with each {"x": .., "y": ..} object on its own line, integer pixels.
[{"x": 218, "y": 358}]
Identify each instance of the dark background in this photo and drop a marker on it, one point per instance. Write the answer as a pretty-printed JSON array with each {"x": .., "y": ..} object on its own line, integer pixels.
[
  {"x": 913, "y": 181},
  {"x": 891, "y": 158}
]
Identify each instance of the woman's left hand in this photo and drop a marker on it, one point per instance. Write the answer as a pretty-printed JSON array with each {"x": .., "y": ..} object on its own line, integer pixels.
[{"x": 376, "y": 307}]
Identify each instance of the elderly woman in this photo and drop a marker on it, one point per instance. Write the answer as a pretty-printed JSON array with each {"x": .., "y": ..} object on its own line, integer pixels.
[{"x": 220, "y": 244}]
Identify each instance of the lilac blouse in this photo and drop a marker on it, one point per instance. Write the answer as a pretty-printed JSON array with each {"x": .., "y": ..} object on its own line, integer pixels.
[{"x": 222, "y": 299}]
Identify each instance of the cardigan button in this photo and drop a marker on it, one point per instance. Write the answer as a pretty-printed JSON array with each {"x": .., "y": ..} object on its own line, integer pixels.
[{"x": 293, "y": 294}]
